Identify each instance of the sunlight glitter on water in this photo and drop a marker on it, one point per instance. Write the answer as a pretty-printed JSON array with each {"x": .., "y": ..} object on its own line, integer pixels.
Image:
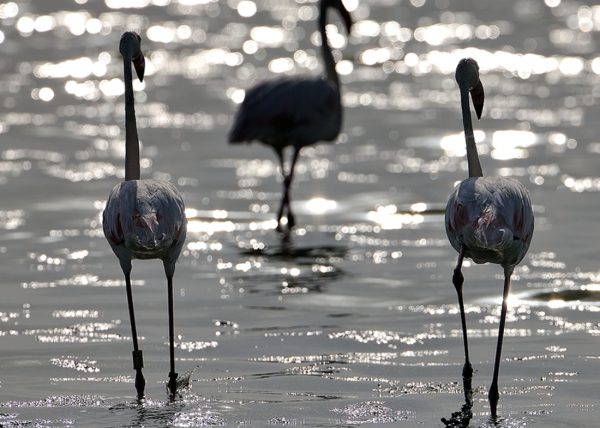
[{"x": 358, "y": 299}]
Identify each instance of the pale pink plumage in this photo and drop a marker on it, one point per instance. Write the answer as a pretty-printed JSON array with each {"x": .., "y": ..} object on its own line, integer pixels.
[
  {"x": 145, "y": 219},
  {"x": 492, "y": 218}
]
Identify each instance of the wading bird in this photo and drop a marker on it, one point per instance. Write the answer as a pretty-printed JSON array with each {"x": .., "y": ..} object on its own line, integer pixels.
[
  {"x": 488, "y": 219},
  {"x": 295, "y": 111},
  {"x": 143, "y": 219}
]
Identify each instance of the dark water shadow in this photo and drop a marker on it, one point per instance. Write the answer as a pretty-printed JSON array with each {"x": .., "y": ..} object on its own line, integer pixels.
[
  {"x": 315, "y": 266},
  {"x": 572, "y": 295},
  {"x": 286, "y": 250},
  {"x": 461, "y": 418}
]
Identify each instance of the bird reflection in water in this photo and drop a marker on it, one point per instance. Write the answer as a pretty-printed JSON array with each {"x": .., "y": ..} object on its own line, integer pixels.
[
  {"x": 300, "y": 268},
  {"x": 461, "y": 418}
]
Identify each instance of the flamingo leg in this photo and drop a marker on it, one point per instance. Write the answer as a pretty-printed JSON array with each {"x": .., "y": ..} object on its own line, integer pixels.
[
  {"x": 493, "y": 394},
  {"x": 285, "y": 197},
  {"x": 457, "y": 280},
  {"x": 288, "y": 183},
  {"x": 138, "y": 359},
  {"x": 282, "y": 205},
  {"x": 172, "y": 385}
]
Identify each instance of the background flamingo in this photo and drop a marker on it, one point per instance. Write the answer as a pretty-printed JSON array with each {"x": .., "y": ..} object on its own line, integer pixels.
[
  {"x": 488, "y": 219},
  {"x": 143, "y": 219},
  {"x": 295, "y": 112}
]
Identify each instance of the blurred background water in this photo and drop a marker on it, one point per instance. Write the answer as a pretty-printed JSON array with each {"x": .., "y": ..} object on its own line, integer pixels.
[{"x": 354, "y": 320}]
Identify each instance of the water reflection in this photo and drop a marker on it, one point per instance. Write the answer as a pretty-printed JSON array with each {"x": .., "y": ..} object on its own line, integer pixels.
[
  {"x": 461, "y": 418},
  {"x": 190, "y": 411},
  {"x": 291, "y": 268}
]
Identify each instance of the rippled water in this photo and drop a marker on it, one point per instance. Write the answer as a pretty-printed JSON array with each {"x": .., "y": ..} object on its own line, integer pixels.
[{"x": 353, "y": 320}]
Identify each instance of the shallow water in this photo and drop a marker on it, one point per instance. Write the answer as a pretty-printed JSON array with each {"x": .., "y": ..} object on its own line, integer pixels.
[{"x": 353, "y": 320}]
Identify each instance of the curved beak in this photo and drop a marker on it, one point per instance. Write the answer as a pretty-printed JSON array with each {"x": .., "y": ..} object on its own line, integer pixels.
[
  {"x": 139, "y": 63},
  {"x": 477, "y": 95},
  {"x": 346, "y": 17}
]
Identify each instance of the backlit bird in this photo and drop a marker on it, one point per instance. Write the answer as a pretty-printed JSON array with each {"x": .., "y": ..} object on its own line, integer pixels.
[
  {"x": 488, "y": 219},
  {"x": 143, "y": 219},
  {"x": 295, "y": 112}
]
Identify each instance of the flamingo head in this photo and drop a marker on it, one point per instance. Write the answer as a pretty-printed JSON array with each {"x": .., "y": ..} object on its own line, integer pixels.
[
  {"x": 131, "y": 48},
  {"x": 467, "y": 77}
]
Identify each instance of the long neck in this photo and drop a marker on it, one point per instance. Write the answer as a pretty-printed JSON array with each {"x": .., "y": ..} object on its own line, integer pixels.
[
  {"x": 472, "y": 156},
  {"x": 132, "y": 144},
  {"x": 328, "y": 60}
]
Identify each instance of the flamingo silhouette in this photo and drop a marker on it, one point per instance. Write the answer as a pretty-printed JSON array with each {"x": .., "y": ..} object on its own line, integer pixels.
[
  {"x": 295, "y": 112},
  {"x": 488, "y": 219},
  {"x": 143, "y": 219}
]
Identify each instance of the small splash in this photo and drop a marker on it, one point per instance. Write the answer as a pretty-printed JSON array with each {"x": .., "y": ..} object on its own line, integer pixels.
[{"x": 183, "y": 382}]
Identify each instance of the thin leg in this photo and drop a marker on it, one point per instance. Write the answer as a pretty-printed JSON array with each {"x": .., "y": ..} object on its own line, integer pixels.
[
  {"x": 493, "y": 395},
  {"x": 138, "y": 360},
  {"x": 172, "y": 374},
  {"x": 282, "y": 204},
  {"x": 457, "y": 280},
  {"x": 288, "y": 183},
  {"x": 285, "y": 197}
]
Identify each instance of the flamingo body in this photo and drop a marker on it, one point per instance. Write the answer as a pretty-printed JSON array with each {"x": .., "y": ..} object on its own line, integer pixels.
[
  {"x": 145, "y": 219},
  {"x": 289, "y": 112},
  {"x": 491, "y": 217}
]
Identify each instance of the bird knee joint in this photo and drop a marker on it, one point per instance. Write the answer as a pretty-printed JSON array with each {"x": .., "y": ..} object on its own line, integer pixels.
[{"x": 458, "y": 279}]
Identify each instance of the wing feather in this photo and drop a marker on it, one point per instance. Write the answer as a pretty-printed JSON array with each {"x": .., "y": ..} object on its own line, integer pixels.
[
  {"x": 502, "y": 202},
  {"x": 145, "y": 216},
  {"x": 283, "y": 112}
]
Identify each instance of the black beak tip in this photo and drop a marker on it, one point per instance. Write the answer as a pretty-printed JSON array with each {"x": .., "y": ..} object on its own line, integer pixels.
[
  {"x": 478, "y": 97},
  {"x": 140, "y": 65}
]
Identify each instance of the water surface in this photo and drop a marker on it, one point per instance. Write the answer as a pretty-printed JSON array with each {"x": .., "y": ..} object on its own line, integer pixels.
[{"x": 353, "y": 320}]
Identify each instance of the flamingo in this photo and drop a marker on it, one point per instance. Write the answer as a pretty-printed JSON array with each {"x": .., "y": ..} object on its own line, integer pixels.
[
  {"x": 143, "y": 219},
  {"x": 488, "y": 219},
  {"x": 295, "y": 111}
]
